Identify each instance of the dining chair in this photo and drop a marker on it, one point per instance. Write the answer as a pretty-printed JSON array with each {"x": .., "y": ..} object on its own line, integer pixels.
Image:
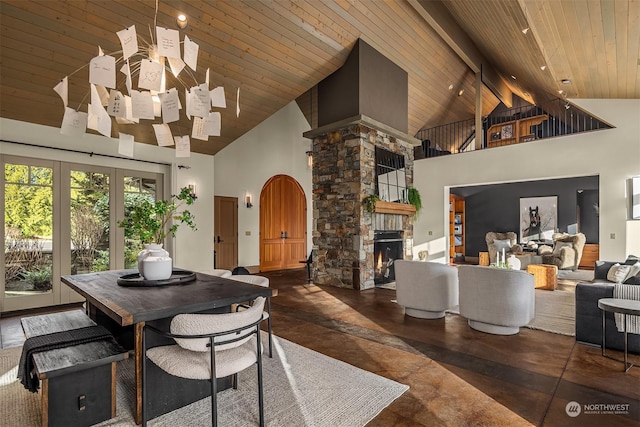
[
  {"x": 259, "y": 281},
  {"x": 221, "y": 272},
  {"x": 209, "y": 346}
]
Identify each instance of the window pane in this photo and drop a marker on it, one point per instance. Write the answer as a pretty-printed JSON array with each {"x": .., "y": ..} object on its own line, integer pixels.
[
  {"x": 28, "y": 230},
  {"x": 89, "y": 200},
  {"x": 16, "y": 173},
  {"x": 137, "y": 190}
]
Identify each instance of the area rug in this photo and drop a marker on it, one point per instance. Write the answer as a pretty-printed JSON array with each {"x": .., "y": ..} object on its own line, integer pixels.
[
  {"x": 301, "y": 388},
  {"x": 555, "y": 312}
]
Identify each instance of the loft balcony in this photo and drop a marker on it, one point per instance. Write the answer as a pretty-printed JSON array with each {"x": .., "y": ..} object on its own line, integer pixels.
[{"x": 511, "y": 126}]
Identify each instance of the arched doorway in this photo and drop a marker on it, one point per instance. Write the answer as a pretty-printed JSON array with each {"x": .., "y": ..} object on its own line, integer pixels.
[{"x": 283, "y": 224}]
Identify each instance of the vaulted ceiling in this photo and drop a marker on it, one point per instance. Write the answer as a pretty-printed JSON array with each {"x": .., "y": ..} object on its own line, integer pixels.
[{"x": 277, "y": 51}]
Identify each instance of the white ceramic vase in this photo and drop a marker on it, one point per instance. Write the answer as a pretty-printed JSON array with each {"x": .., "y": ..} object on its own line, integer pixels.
[
  {"x": 154, "y": 263},
  {"x": 514, "y": 263}
]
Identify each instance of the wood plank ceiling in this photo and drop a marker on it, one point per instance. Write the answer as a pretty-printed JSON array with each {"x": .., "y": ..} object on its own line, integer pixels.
[{"x": 277, "y": 51}]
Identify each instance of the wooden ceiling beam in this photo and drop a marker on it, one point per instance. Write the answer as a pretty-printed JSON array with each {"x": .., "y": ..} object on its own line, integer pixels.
[{"x": 437, "y": 16}]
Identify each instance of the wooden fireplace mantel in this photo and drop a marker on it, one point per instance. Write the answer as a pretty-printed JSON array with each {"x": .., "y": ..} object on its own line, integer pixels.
[{"x": 394, "y": 208}]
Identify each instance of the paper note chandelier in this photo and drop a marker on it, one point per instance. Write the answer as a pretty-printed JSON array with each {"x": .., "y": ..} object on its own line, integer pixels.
[{"x": 151, "y": 81}]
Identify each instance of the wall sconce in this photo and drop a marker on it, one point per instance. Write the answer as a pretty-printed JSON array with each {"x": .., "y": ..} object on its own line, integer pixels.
[
  {"x": 192, "y": 191},
  {"x": 310, "y": 159},
  {"x": 248, "y": 201}
]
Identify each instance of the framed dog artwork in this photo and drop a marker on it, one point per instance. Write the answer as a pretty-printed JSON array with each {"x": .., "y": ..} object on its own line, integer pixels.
[{"x": 538, "y": 217}]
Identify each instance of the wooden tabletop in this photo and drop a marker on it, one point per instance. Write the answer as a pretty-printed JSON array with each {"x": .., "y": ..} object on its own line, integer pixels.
[{"x": 130, "y": 305}]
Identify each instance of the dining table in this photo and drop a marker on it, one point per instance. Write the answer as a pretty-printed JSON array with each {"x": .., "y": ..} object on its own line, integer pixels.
[{"x": 125, "y": 306}]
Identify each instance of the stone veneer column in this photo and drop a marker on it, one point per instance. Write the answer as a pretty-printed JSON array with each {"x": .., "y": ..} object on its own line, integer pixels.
[{"x": 343, "y": 175}]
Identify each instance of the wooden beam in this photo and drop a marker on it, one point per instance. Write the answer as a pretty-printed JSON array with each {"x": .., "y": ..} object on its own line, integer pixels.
[{"x": 437, "y": 16}]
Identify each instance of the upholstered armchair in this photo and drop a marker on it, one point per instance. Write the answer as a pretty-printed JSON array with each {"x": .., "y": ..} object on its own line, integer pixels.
[
  {"x": 567, "y": 251},
  {"x": 426, "y": 289},
  {"x": 496, "y": 300},
  {"x": 497, "y": 241}
]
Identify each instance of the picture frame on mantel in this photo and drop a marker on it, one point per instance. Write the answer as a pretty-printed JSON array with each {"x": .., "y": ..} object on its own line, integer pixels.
[{"x": 538, "y": 217}]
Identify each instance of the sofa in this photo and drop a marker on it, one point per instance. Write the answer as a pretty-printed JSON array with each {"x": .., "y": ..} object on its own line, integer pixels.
[
  {"x": 426, "y": 289},
  {"x": 495, "y": 300},
  {"x": 589, "y": 316}
]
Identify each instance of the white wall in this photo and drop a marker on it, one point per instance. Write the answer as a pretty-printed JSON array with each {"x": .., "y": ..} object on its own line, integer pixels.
[
  {"x": 193, "y": 251},
  {"x": 612, "y": 154},
  {"x": 276, "y": 146}
]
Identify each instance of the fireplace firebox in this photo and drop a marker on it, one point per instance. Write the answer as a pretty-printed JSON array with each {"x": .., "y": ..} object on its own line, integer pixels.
[{"x": 387, "y": 247}]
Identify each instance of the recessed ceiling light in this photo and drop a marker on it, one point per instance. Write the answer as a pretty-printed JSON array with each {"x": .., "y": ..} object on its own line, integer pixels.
[
  {"x": 565, "y": 81},
  {"x": 525, "y": 31},
  {"x": 544, "y": 67},
  {"x": 182, "y": 22}
]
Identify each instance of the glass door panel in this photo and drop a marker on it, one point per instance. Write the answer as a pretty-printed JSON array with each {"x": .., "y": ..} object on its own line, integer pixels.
[
  {"x": 28, "y": 236},
  {"x": 90, "y": 215},
  {"x": 137, "y": 190}
]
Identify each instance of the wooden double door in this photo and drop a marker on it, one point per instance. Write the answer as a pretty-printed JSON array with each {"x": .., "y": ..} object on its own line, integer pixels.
[{"x": 283, "y": 224}]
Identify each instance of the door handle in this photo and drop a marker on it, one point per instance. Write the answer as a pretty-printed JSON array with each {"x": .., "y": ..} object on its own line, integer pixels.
[{"x": 218, "y": 239}]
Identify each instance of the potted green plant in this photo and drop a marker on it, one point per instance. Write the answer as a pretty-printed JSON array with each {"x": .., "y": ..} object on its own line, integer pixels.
[
  {"x": 151, "y": 222},
  {"x": 413, "y": 196},
  {"x": 369, "y": 203}
]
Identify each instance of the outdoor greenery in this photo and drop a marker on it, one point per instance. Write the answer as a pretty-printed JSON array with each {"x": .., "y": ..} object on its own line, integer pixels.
[
  {"x": 28, "y": 200},
  {"x": 39, "y": 280},
  {"x": 152, "y": 221}
]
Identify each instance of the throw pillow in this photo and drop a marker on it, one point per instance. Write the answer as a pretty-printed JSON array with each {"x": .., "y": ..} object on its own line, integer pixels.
[
  {"x": 633, "y": 280},
  {"x": 633, "y": 270},
  {"x": 559, "y": 245},
  {"x": 617, "y": 273},
  {"x": 502, "y": 244}
]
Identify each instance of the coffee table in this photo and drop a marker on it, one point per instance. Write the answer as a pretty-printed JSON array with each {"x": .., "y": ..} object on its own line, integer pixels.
[{"x": 624, "y": 307}]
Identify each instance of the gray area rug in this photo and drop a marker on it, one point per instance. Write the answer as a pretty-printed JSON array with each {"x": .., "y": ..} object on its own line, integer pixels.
[{"x": 301, "y": 388}]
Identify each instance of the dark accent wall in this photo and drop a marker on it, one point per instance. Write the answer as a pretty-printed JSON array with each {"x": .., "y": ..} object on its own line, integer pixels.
[
  {"x": 497, "y": 207},
  {"x": 367, "y": 84}
]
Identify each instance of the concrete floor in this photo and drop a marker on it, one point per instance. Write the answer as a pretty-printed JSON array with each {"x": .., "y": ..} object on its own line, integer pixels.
[{"x": 457, "y": 376}]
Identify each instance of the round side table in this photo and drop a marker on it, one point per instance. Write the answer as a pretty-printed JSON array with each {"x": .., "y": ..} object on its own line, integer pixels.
[{"x": 624, "y": 307}]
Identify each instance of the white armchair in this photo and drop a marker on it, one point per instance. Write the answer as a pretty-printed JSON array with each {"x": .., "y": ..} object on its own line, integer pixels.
[
  {"x": 426, "y": 289},
  {"x": 496, "y": 300}
]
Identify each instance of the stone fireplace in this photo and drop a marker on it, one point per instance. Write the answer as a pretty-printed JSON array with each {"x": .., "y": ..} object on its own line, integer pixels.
[{"x": 343, "y": 175}]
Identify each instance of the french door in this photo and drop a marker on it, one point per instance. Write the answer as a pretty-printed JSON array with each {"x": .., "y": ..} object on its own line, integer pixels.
[{"x": 61, "y": 218}]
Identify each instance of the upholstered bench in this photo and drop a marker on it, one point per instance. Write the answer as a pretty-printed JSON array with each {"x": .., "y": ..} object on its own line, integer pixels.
[{"x": 78, "y": 382}]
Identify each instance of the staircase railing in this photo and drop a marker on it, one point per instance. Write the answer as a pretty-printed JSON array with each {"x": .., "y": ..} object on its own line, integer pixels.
[{"x": 509, "y": 126}]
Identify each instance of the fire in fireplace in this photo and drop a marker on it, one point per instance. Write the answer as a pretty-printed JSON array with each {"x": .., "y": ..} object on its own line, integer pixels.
[{"x": 387, "y": 247}]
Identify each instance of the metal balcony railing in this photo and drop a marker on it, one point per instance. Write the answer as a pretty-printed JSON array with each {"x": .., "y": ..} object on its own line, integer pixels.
[{"x": 511, "y": 126}]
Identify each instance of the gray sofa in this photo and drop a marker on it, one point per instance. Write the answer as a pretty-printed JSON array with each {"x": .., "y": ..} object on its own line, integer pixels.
[{"x": 589, "y": 316}]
